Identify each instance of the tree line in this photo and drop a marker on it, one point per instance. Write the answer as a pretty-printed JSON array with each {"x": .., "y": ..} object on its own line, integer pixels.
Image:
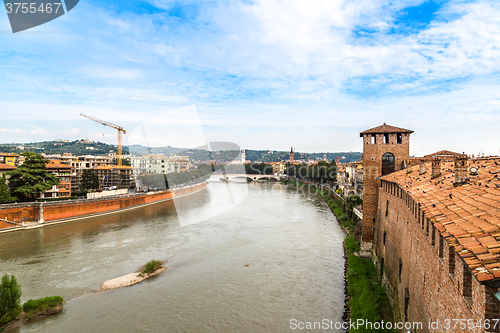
[{"x": 173, "y": 179}]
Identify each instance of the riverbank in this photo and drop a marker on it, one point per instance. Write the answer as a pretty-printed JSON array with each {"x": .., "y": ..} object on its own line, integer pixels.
[
  {"x": 133, "y": 278},
  {"x": 365, "y": 298},
  {"x": 24, "y": 216},
  {"x": 35, "y": 309}
]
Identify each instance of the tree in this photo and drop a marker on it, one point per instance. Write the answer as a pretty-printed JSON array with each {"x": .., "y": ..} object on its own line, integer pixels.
[
  {"x": 89, "y": 180},
  {"x": 351, "y": 202},
  {"x": 32, "y": 177},
  {"x": 4, "y": 191},
  {"x": 10, "y": 299}
]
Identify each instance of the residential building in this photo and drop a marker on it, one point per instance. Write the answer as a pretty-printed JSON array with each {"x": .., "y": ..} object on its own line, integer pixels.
[
  {"x": 10, "y": 159},
  {"x": 350, "y": 178},
  {"x": 159, "y": 164},
  {"x": 78, "y": 164},
  {"x": 115, "y": 176},
  {"x": 63, "y": 172}
]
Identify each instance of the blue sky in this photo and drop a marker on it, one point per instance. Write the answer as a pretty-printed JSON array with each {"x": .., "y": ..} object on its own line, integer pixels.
[{"x": 262, "y": 74}]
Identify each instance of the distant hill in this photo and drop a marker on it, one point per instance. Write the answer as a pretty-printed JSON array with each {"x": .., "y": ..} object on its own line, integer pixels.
[
  {"x": 80, "y": 147},
  {"x": 85, "y": 147}
]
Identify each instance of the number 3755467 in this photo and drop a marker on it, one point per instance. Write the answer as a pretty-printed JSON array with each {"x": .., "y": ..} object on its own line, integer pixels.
[{"x": 26, "y": 7}]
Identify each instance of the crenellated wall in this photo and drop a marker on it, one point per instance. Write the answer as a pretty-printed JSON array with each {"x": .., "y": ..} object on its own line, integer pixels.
[{"x": 425, "y": 278}]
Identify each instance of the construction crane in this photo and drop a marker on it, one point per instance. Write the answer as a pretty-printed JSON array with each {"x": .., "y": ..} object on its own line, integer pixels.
[{"x": 120, "y": 131}]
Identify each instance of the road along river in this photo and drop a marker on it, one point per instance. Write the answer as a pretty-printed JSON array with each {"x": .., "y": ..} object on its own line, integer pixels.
[{"x": 258, "y": 257}]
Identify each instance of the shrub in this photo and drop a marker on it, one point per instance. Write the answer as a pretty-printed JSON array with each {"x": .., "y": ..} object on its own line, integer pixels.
[
  {"x": 35, "y": 306},
  {"x": 10, "y": 299},
  {"x": 42, "y": 303},
  {"x": 152, "y": 266}
]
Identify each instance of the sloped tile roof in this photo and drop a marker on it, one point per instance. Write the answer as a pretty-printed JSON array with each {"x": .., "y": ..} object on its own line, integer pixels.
[
  {"x": 109, "y": 167},
  {"x": 467, "y": 216},
  {"x": 6, "y": 167},
  {"x": 56, "y": 164},
  {"x": 384, "y": 128}
]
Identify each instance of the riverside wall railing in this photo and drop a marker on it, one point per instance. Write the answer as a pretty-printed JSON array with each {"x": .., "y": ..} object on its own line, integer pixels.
[{"x": 35, "y": 214}]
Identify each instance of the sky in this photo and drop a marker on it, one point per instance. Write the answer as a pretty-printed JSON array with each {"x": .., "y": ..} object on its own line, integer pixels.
[{"x": 264, "y": 74}]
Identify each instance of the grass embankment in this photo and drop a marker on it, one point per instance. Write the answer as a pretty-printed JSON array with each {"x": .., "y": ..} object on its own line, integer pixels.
[
  {"x": 367, "y": 298},
  {"x": 33, "y": 309},
  {"x": 42, "y": 306}
]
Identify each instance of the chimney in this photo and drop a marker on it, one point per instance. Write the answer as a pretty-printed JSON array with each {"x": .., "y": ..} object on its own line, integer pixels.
[
  {"x": 422, "y": 166},
  {"x": 460, "y": 170},
  {"x": 436, "y": 168}
]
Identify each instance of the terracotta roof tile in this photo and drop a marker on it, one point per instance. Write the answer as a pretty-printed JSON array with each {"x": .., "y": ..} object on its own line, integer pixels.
[
  {"x": 385, "y": 129},
  {"x": 6, "y": 167},
  {"x": 469, "y": 220}
]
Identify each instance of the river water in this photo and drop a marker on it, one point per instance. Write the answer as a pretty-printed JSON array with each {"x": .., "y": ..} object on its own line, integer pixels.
[{"x": 241, "y": 258}]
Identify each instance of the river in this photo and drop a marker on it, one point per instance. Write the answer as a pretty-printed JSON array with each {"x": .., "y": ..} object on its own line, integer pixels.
[{"x": 241, "y": 258}]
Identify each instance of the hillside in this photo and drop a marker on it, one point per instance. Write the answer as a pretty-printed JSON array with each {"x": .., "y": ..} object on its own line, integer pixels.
[{"x": 85, "y": 147}]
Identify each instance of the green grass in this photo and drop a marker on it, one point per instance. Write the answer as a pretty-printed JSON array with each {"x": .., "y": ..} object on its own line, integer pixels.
[
  {"x": 152, "y": 266},
  {"x": 368, "y": 299},
  {"x": 35, "y": 306}
]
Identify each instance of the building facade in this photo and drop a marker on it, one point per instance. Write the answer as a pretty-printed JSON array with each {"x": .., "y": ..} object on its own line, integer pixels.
[
  {"x": 79, "y": 164},
  {"x": 385, "y": 149},
  {"x": 350, "y": 179},
  {"x": 10, "y": 159},
  {"x": 115, "y": 176},
  {"x": 64, "y": 173},
  {"x": 159, "y": 164}
]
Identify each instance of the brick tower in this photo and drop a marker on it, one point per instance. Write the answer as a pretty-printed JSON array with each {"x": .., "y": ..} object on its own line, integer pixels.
[
  {"x": 385, "y": 149},
  {"x": 291, "y": 155}
]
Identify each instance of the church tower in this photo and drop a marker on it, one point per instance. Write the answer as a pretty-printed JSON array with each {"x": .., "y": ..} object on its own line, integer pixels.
[
  {"x": 243, "y": 156},
  {"x": 291, "y": 155},
  {"x": 385, "y": 149}
]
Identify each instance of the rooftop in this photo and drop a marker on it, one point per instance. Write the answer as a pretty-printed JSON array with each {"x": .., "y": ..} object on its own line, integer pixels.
[
  {"x": 467, "y": 216},
  {"x": 56, "y": 164},
  {"x": 442, "y": 154},
  {"x": 111, "y": 167},
  {"x": 384, "y": 128},
  {"x": 6, "y": 167}
]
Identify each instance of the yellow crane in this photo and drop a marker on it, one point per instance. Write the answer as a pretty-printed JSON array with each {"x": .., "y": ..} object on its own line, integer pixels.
[{"x": 120, "y": 131}]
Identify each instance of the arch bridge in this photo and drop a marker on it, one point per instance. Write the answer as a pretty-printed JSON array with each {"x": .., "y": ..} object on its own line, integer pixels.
[{"x": 229, "y": 177}]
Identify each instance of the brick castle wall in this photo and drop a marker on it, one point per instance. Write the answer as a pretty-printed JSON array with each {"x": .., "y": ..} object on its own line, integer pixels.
[{"x": 425, "y": 278}]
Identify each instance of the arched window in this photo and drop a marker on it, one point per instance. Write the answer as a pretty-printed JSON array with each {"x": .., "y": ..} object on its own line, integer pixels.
[{"x": 387, "y": 163}]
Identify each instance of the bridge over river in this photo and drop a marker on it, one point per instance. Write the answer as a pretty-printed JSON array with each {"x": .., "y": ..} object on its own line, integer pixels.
[{"x": 228, "y": 177}]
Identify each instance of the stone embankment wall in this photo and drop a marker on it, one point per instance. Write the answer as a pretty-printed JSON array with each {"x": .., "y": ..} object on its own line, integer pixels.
[{"x": 64, "y": 210}]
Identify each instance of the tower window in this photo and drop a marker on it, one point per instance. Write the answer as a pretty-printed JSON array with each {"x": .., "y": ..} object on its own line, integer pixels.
[
  {"x": 399, "y": 138},
  {"x": 386, "y": 138},
  {"x": 373, "y": 139},
  {"x": 387, "y": 163},
  {"x": 400, "y": 269}
]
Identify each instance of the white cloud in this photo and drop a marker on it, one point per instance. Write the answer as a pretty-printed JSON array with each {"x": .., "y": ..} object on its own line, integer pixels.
[
  {"x": 12, "y": 130},
  {"x": 72, "y": 132},
  {"x": 39, "y": 132}
]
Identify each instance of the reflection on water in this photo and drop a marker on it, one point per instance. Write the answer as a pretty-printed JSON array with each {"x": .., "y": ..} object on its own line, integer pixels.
[{"x": 276, "y": 255}]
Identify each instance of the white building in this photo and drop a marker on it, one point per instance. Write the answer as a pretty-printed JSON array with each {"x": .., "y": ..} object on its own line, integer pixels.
[{"x": 158, "y": 164}]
